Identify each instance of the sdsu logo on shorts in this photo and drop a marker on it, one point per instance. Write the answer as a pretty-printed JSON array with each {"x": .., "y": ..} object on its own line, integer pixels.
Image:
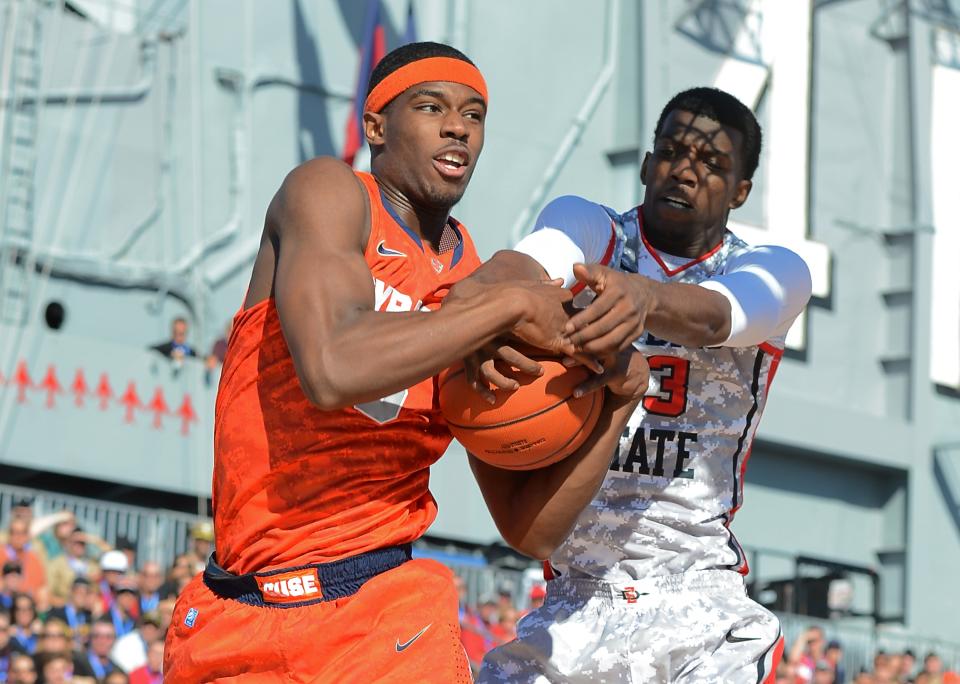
[{"x": 290, "y": 587}]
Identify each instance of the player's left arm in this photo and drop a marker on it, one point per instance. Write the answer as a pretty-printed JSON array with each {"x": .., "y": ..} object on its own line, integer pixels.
[
  {"x": 757, "y": 298},
  {"x": 535, "y": 510}
]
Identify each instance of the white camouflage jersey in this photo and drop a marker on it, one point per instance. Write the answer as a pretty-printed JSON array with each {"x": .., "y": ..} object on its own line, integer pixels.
[{"x": 676, "y": 480}]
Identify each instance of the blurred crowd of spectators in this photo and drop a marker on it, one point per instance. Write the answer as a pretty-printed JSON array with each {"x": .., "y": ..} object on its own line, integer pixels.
[
  {"x": 74, "y": 609},
  {"x": 814, "y": 660},
  {"x": 492, "y": 622}
]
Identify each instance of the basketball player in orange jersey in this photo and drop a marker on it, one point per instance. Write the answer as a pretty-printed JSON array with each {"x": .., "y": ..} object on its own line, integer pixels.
[{"x": 326, "y": 420}]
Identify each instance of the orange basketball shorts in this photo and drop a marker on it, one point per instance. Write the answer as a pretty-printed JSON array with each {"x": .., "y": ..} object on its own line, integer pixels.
[{"x": 400, "y": 626}]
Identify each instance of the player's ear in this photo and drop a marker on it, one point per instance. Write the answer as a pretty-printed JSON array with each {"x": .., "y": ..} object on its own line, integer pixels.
[
  {"x": 742, "y": 192},
  {"x": 373, "y": 127},
  {"x": 643, "y": 168}
]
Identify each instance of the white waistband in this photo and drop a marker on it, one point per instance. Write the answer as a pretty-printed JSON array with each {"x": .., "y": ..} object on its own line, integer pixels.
[{"x": 631, "y": 590}]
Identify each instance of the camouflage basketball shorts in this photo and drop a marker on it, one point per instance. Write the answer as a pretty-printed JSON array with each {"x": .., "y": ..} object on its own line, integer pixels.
[{"x": 695, "y": 627}]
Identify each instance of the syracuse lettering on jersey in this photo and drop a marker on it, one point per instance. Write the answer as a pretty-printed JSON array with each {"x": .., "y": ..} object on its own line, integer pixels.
[
  {"x": 290, "y": 587},
  {"x": 388, "y": 298}
]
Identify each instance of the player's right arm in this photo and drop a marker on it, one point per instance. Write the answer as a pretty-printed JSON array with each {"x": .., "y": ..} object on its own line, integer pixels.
[
  {"x": 344, "y": 351},
  {"x": 759, "y": 294}
]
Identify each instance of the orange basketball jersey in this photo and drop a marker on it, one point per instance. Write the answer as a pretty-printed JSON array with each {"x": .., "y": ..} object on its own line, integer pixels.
[{"x": 294, "y": 485}]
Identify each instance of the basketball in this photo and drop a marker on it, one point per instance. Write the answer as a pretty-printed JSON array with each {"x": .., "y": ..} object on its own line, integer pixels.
[{"x": 532, "y": 427}]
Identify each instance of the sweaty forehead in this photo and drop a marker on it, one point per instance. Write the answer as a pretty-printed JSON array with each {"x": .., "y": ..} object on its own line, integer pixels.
[{"x": 700, "y": 131}]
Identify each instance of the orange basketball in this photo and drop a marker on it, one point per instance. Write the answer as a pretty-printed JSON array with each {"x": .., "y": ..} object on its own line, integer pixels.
[{"x": 532, "y": 427}]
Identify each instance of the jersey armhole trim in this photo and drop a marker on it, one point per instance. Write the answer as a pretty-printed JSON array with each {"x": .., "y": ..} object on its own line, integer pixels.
[{"x": 372, "y": 218}]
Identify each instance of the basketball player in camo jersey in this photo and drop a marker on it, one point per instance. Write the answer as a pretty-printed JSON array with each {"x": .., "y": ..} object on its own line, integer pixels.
[{"x": 648, "y": 586}]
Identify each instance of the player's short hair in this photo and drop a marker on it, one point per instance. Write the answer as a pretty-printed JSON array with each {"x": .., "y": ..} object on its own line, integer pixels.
[
  {"x": 411, "y": 52},
  {"x": 726, "y": 110}
]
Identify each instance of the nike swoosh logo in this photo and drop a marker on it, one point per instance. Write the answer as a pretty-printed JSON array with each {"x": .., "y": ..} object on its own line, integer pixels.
[
  {"x": 403, "y": 647},
  {"x": 731, "y": 639},
  {"x": 383, "y": 250}
]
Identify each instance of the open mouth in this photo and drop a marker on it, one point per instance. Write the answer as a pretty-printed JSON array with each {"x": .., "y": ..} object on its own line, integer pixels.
[
  {"x": 451, "y": 164},
  {"x": 677, "y": 203}
]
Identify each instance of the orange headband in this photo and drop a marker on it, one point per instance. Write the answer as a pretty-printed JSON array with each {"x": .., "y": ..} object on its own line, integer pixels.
[{"x": 421, "y": 71}]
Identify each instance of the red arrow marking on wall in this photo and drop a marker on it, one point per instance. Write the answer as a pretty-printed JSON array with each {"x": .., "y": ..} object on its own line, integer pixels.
[
  {"x": 104, "y": 391},
  {"x": 21, "y": 379},
  {"x": 187, "y": 414},
  {"x": 131, "y": 400},
  {"x": 51, "y": 385},
  {"x": 79, "y": 387},
  {"x": 159, "y": 407}
]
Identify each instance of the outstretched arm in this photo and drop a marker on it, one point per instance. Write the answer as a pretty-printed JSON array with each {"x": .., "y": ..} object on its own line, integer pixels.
[
  {"x": 325, "y": 299},
  {"x": 762, "y": 291}
]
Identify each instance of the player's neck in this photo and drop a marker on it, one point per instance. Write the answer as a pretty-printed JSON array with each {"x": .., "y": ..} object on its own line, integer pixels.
[
  {"x": 688, "y": 241},
  {"x": 427, "y": 222}
]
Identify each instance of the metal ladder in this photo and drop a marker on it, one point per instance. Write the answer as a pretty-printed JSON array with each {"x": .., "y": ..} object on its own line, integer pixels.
[{"x": 23, "y": 17}]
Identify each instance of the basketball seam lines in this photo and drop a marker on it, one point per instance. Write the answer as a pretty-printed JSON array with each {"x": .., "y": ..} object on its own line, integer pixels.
[{"x": 510, "y": 422}]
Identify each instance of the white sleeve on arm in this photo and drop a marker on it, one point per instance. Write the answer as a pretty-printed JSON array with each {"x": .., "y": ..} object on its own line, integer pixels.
[
  {"x": 767, "y": 288},
  {"x": 569, "y": 230}
]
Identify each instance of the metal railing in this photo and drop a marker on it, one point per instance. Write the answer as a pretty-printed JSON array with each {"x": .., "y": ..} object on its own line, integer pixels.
[{"x": 159, "y": 535}]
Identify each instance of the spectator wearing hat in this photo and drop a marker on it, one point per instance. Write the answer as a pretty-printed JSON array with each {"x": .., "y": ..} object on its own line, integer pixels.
[
  {"x": 113, "y": 567},
  {"x": 76, "y": 611},
  {"x": 202, "y": 536},
  {"x": 17, "y": 550},
  {"x": 538, "y": 593},
  {"x": 52, "y": 533},
  {"x": 73, "y": 563}
]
